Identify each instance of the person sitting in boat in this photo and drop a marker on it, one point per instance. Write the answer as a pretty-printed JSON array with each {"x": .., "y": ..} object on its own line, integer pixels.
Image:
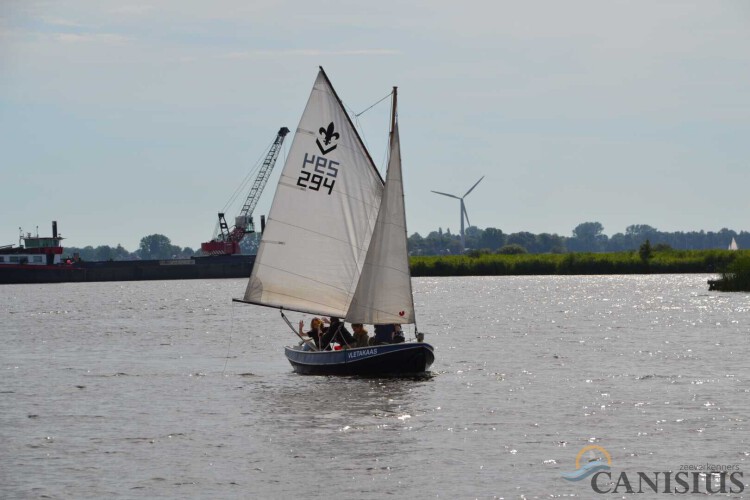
[
  {"x": 398, "y": 334},
  {"x": 360, "y": 334},
  {"x": 387, "y": 334},
  {"x": 316, "y": 330},
  {"x": 337, "y": 332},
  {"x": 383, "y": 335}
]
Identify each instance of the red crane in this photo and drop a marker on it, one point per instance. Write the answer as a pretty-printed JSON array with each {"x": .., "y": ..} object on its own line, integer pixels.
[{"x": 227, "y": 241}]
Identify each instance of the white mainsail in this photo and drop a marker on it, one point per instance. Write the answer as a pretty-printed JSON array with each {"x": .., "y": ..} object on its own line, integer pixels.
[
  {"x": 384, "y": 293},
  {"x": 322, "y": 216},
  {"x": 733, "y": 245}
]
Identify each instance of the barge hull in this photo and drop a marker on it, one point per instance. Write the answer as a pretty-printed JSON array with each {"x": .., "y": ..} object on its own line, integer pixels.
[{"x": 214, "y": 267}]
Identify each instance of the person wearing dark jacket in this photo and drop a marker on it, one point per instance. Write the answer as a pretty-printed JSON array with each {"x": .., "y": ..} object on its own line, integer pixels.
[
  {"x": 383, "y": 335},
  {"x": 317, "y": 330},
  {"x": 387, "y": 334},
  {"x": 337, "y": 332},
  {"x": 398, "y": 334}
]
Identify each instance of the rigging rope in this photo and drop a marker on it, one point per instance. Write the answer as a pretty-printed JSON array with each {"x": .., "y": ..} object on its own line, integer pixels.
[
  {"x": 310, "y": 343},
  {"x": 368, "y": 109},
  {"x": 231, "y": 327},
  {"x": 242, "y": 187},
  {"x": 358, "y": 124},
  {"x": 250, "y": 175}
]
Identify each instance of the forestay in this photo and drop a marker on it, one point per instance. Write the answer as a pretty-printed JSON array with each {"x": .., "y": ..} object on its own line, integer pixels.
[
  {"x": 322, "y": 217},
  {"x": 384, "y": 293}
]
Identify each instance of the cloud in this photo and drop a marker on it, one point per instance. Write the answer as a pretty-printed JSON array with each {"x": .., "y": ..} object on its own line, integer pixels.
[
  {"x": 309, "y": 52},
  {"x": 58, "y": 21},
  {"x": 135, "y": 10},
  {"x": 98, "y": 38}
]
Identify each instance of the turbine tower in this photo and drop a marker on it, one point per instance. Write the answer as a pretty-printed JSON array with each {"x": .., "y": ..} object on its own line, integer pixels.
[{"x": 463, "y": 214}]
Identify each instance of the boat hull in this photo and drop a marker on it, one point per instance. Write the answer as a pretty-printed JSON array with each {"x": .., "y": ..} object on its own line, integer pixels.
[{"x": 406, "y": 359}]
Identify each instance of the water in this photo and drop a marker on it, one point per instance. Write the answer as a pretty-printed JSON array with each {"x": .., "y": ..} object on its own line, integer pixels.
[{"x": 169, "y": 390}]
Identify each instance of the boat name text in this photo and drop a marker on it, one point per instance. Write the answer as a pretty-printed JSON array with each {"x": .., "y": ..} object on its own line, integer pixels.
[{"x": 357, "y": 354}]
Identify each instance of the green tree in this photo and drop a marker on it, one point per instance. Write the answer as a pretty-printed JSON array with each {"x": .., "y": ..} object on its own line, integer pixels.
[
  {"x": 492, "y": 238},
  {"x": 473, "y": 236},
  {"x": 439, "y": 243},
  {"x": 645, "y": 251},
  {"x": 416, "y": 244},
  {"x": 662, "y": 247},
  {"x": 640, "y": 231},
  {"x": 550, "y": 243},
  {"x": 588, "y": 237},
  {"x": 104, "y": 252},
  {"x": 454, "y": 246},
  {"x": 156, "y": 246},
  {"x": 588, "y": 230},
  {"x": 85, "y": 253},
  {"x": 523, "y": 239},
  {"x": 478, "y": 252},
  {"x": 119, "y": 253},
  {"x": 512, "y": 249}
]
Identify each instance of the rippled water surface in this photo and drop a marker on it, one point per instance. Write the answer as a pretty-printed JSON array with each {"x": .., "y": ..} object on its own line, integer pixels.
[{"x": 168, "y": 390}]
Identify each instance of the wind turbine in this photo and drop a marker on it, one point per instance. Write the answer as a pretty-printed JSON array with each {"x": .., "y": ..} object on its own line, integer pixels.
[{"x": 463, "y": 214}]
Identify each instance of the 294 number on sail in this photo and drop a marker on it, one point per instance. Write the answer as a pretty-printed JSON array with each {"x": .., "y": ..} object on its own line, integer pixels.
[{"x": 323, "y": 175}]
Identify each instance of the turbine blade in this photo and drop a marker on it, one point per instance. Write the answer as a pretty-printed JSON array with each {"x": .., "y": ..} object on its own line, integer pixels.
[
  {"x": 466, "y": 214},
  {"x": 472, "y": 187},
  {"x": 446, "y": 194}
]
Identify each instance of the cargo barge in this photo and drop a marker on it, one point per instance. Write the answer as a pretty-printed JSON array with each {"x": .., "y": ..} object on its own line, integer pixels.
[{"x": 39, "y": 260}]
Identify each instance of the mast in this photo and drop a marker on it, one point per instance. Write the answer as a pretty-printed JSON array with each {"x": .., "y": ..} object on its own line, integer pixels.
[
  {"x": 393, "y": 110},
  {"x": 394, "y": 118},
  {"x": 384, "y": 291}
]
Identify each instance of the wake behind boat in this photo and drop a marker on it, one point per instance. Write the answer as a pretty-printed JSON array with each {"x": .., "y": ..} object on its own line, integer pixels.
[{"x": 336, "y": 243}]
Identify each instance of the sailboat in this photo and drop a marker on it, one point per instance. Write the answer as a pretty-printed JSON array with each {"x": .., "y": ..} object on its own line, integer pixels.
[
  {"x": 733, "y": 245},
  {"x": 335, "y": 243}
]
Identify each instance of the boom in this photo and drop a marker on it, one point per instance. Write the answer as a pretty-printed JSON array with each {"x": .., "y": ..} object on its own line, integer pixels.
[
  {"x": 228, "y": 240},
  {"x": 262, "y": 179}
]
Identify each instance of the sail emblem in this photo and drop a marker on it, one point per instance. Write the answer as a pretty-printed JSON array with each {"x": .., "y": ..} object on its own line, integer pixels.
[{"x": 328, "y": 135}]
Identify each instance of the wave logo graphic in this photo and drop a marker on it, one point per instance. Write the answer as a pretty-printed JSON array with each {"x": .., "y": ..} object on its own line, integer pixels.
[{"x": 592, "y": 467}]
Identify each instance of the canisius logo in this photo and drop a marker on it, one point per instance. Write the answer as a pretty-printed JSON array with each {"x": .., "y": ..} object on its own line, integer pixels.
[
  {"x": 703, "y": 478},
  {"x": 603, "y": 462}
]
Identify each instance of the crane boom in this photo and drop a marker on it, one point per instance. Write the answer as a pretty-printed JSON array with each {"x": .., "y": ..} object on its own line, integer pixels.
[
  {"x": 228, "y": 240},
  {"x": 243, "y": 223}
]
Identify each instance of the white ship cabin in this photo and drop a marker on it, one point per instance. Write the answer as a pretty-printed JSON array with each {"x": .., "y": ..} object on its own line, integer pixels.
[{"x": 34, "y": 250}]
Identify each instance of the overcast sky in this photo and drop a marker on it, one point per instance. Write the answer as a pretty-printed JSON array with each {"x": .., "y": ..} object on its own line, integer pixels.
[{"x": 121, "y": 119}]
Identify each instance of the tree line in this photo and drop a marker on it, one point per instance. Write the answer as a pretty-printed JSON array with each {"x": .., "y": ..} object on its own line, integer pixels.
[
  {"x": 151, "y": 247},
  {"x": 154, "y": 246},
  {"x": 585, "y": 237}
]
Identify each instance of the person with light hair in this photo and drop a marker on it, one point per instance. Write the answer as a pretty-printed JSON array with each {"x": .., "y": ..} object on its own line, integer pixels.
[
  {"x": 360, "y": 335},
  {"x": 316, "y": 332}
]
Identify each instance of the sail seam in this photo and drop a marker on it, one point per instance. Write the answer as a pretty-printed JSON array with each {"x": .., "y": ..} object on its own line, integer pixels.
[
  {"x": 380, "y": 266},
  {"x": 325, "y": 235},
  {"x": 312, "y": 280}
]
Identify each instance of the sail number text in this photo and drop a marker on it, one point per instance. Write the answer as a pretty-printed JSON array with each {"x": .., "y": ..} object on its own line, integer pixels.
[{"x": 323, "y": 173}]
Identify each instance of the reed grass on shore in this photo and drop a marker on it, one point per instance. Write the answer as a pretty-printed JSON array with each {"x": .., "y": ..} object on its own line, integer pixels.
[
  {"x": 736, "y": 277},
  {"x": 660, "y": 262}
]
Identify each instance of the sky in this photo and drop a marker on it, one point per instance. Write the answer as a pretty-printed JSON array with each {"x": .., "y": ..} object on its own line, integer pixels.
[{"x": 121, "y": 119}]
